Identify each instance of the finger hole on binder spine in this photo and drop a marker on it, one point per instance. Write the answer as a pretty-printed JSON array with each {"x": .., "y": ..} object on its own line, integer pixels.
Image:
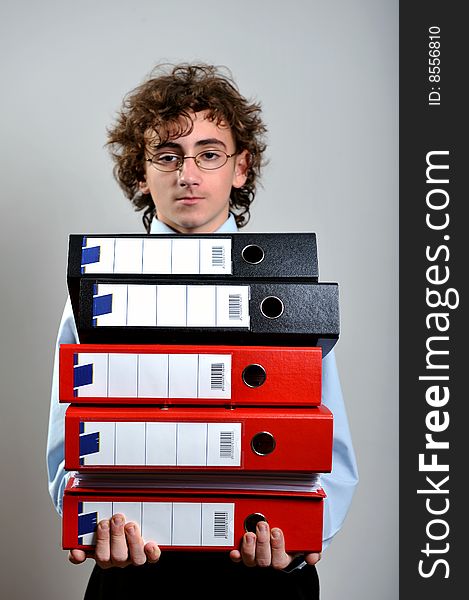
[
  {"x": 272, "y": 307},
  {"x": 254, "y": 375},
  {"x": 263, "y": 443},
  {"x": 252, "y": 254},
  {"x": 252, "y": 520}
]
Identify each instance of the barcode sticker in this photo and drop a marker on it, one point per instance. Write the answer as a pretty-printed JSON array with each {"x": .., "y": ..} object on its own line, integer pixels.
[
  {"x": 227, "y": 447},
  {"x": 224, "y": 445},
  {"x": 220, "y": 524},
  {"x": 218, "y": 256},
  {"x": 217, "y": 524},
  {"x": 233, "y": 306},
  {"x": 215, "y": 257},
  {"x": 215, "y": 376}
]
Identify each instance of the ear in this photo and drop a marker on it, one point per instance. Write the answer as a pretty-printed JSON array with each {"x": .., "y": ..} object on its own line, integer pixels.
[
  {"x": 241, "y": 169},
  {"x": 143, "y": 187}
]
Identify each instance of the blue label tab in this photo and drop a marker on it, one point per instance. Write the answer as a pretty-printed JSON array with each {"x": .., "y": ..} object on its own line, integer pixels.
[
  {"x": 82, "y": 375},
  {"x": 89, "y": 443},
  {"x": 87, "y": 523},
  {"x": 102, "y": 305},
  {"x": 90, "y": 255}
]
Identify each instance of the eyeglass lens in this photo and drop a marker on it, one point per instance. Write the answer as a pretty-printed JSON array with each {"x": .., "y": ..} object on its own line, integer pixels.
[{"x": 208, "y": 160}]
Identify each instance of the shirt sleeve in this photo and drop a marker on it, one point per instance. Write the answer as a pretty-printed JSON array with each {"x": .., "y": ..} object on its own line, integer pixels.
[
  {"x": 340, "y": 484},
  {"x": 57, "y": 476}
]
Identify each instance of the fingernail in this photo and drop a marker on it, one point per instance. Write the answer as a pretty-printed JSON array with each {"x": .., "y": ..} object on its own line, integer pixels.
[
  {"x": 117, "y": 520},
  {"x": 104, "y": 525},
  {"x": 262, "y": 526},
  {"x": 275, "y": 534},
  {"x": 131, "y": 528},
  {"x": 249, "y": 540}
]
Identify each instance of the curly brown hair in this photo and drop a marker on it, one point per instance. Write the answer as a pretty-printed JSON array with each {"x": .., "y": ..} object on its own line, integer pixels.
[{"x": 164, "y": 103}]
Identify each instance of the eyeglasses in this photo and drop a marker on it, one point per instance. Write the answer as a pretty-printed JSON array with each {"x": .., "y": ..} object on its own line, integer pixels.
[{"x": 207, "y": 160}]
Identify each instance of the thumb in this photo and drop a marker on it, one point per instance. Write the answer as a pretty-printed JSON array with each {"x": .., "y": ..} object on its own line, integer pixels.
[{"x": 76, "y": 556}]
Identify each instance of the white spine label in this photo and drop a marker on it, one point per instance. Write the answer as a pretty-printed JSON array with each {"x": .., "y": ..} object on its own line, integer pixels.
[
  {"x": 150, "y": 256},
  {"x": 147, "y": 305},
  {"x": 126, "y": 375},
  {"x": 168, "y": 523},
  {"x": 139, "y": 443}
]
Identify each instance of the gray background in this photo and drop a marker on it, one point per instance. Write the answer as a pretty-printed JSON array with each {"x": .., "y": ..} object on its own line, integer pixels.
[{"x": 326, "y": 73}]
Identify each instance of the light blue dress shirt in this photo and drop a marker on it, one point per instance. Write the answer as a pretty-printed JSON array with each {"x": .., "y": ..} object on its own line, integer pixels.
[{"x": 338, "y": 485}]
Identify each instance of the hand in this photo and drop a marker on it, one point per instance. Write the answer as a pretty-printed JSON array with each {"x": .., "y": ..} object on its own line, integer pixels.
[
  {"x": 266, "y": 548},
  {"x": 118, "y": 544}
]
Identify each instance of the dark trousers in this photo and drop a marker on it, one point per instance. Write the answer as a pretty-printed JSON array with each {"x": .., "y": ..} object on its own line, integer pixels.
[{"x": 207, "y": 575}]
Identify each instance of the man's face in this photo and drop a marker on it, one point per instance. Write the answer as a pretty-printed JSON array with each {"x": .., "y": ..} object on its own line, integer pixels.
[{"x": 192, "y": 200}]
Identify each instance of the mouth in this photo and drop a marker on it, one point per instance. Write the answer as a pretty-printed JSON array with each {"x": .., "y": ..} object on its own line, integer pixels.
[{"x": 189, "y": 200}]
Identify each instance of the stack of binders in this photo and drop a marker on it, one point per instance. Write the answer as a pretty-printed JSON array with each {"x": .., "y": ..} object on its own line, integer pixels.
[{"x": 195, "y": 393}]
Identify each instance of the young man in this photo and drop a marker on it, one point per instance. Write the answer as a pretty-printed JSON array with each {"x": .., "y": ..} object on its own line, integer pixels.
[{"x": 188, "y": 151}]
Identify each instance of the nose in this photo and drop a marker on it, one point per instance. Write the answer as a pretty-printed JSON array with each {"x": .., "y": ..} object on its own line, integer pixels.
[{"x": 189, "y": 173}]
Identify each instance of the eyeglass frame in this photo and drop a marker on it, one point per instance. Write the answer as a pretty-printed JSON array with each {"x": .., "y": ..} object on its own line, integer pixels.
[{"x": 183, "y": 158}]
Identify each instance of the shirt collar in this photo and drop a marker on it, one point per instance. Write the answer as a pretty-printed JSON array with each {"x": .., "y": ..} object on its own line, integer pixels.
[{"x": 229, "y": 226}]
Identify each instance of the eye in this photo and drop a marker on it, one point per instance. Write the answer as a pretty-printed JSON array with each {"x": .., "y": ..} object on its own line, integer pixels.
[
  {"x": 166, "y": 158},
  {"x": 210, "y": 155}
]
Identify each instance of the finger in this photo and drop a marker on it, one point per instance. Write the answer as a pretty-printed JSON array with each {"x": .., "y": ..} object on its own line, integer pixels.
[
  {"x": 280, "y": 559},
  {"x": 248, "y": 549},
  {"x": 263, "y": 552},
  {"x": 77, "y": 556},
  {"x": 152, "y": 552},
  {"x": 102, "y": 551},
  {"x": 235, "y": 556},
  {"x": 313, "y": 557},
  {"x": 119, "y": 548},
  {"x": 135, "y": 544}
]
